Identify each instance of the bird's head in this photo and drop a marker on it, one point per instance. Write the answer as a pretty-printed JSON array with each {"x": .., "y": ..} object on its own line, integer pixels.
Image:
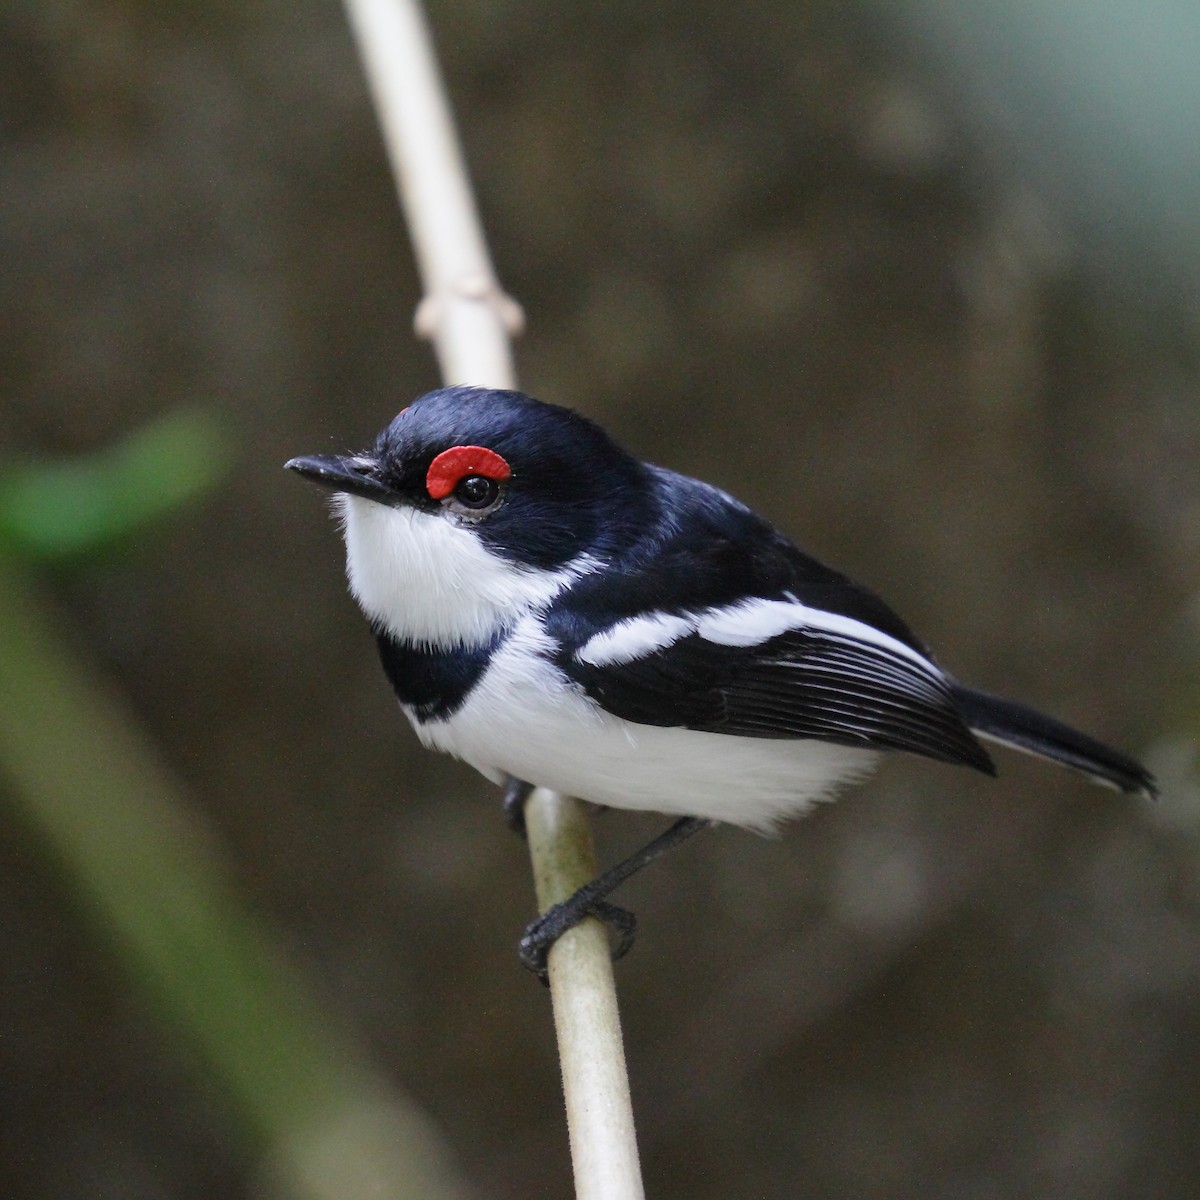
[{"x": 474, "y": 506}]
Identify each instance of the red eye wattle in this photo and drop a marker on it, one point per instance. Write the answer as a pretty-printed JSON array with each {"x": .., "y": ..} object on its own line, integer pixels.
[{"x": 452, "y": 465}]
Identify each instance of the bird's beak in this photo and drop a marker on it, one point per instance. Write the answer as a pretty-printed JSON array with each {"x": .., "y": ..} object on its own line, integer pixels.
[{"x": 357, "y": 474}]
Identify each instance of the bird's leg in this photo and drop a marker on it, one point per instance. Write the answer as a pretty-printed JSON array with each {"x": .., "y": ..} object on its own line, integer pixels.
[
  {"x": 541, "y": 934},
  {"x": 516, "y": 792}
]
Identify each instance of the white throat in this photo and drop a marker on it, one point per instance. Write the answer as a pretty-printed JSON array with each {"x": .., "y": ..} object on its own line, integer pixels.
[{"x": 430, "y": 581}]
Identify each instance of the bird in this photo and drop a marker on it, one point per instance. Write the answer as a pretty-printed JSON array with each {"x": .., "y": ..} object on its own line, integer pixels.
[{"x": 558, "y": 613}]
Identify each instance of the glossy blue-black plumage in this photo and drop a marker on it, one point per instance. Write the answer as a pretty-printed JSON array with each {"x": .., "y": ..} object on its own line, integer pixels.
[
  {"x": 667, "y": 544},
  {"x": 572, "y": 487},
  {"x": 433, "y": 683},
  {"x": 648, "y": 542},
  {"x": 705, "y": 551},
  {"x": 697, "y": 547}
]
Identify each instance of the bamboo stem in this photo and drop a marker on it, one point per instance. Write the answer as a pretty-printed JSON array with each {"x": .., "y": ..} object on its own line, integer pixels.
[
  {"x": 599, "y": 1109},
  {"x": 465, "y": 313},
  {"x": 471, "y": 320}
]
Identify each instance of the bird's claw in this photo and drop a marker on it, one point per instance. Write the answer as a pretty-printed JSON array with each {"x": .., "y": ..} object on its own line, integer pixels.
[{"x": 541, "y": 934}]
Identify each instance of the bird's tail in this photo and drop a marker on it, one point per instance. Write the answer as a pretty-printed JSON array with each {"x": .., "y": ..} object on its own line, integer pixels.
[{"x": 1023, "y": 728}]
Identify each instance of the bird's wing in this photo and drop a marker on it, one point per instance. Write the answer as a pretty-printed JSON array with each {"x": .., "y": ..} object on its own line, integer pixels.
[{"x": 774, "y": 669}]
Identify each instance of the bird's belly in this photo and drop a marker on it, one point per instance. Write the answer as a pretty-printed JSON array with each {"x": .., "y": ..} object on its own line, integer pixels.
[{"x": 537, "y": 726}]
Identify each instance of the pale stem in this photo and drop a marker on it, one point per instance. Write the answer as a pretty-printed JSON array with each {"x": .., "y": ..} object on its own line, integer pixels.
[{"x": 471, "y": 322}]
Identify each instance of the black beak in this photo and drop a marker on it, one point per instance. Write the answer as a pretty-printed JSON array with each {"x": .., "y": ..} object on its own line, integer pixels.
[{"x": 357, "y": 474}]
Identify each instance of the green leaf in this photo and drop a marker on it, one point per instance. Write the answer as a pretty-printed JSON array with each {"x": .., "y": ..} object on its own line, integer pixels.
[{"x": 63, "y": 509}]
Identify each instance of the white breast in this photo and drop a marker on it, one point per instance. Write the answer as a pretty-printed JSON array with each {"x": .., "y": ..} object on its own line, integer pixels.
[
  {"x": 430, "y": 581},
  {"x": 525, "y": 719}
]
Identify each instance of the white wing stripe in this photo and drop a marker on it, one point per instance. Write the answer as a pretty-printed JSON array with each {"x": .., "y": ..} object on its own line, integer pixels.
[
  {"x": 748, "y": 623},
  {"x": 634, "y": 638}
]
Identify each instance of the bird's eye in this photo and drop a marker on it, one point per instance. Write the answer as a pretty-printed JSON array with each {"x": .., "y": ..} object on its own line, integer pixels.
[
  {"x": 467, "y": 479},
  {"x": 476, "y": 491}
]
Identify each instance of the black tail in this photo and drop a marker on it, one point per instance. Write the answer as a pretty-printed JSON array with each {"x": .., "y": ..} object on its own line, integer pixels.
[{"x": 1024, "y": 728}]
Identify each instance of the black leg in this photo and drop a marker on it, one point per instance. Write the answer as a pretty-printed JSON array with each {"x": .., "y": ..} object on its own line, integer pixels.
[
  {"x": 541, "y": 934},
  {"x": 515, "y": 794}
]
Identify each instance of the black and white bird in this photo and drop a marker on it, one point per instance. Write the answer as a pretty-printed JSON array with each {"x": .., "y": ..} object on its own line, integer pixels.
[{"x": 557, "y": 613}]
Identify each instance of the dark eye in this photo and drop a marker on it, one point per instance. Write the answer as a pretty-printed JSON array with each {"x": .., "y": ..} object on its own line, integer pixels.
[{"x": 476, "y": 491}]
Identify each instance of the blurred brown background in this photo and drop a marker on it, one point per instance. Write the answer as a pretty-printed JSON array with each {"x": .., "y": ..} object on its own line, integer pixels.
[{"x": 917, "y": 290}]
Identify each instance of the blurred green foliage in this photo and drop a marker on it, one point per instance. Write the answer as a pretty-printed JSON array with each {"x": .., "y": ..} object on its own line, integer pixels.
[
  {"x": 60, "y": 510},
  {"x": 88, "y": 782}
]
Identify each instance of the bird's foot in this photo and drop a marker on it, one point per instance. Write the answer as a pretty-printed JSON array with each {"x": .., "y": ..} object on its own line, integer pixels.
[
  {"x": 590, "y": 900},
  {"x": 540, "y": 935}
]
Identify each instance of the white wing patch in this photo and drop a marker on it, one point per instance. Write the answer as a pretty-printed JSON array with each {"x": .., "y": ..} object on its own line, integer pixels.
[
  {"x": 747, "y": 623},
  {"x": 634, "y": 638}
]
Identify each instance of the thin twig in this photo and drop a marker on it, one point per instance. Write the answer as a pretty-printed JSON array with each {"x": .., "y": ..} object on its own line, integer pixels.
[
  {"x": 470, "y": 321},
  {"x": 595, "y": 1083},
  {"x": 464, "y": 313}
]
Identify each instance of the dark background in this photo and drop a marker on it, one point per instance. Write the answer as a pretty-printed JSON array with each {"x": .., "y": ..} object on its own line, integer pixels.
[{"x": 922, "y": 293}]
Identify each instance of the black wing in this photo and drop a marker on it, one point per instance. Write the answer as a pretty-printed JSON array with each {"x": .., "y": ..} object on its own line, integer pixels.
[
  {"x": 803, "y": 683},
  {"x": 840, "y": 666}
]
